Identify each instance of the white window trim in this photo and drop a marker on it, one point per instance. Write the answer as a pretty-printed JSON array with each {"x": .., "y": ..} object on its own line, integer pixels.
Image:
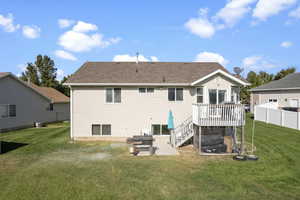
[
  {"x": 101, "y": 129},
  {"x": 175, "y": 100},
  {"x": 203, "y": 100},
  {"x": 113, "y": 95},
  {"x": 160, "y": 130},
  {"x": 8, "y": 117},
  {"x": 146, "y": 90},
  {"x": 217, "y": 90}
]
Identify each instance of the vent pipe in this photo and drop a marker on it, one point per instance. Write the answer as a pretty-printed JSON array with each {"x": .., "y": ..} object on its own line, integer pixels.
[{"x": 137, "y": 58}]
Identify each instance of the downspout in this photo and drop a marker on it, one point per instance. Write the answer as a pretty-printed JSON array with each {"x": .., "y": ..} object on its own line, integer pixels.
[{"x": 71, "y": 112}]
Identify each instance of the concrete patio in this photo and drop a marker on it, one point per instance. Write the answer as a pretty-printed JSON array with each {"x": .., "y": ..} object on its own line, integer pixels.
[{"x": 163, "y": 146}]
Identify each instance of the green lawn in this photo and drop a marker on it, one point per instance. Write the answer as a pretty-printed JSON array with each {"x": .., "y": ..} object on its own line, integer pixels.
[{"x": 51, "y": 167}]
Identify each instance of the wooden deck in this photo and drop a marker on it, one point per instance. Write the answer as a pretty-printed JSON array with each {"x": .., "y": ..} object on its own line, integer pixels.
[{"x": 219, "y": 115}]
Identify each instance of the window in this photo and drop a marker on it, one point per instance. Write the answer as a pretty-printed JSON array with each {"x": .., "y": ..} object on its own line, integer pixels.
[
  {"x": 150, "y": 90},
  {"x": 96, "y": 129},
  {"x": 199, "y": 94},
  {"x": 142, "y": 90},
  {"x": 235, "y": 94},
  {"x": 272, "y": 100},
  {"x": 12, "y": 110},
  {"x": 160, "y": 129},
  {"x": 175, "y": 94},
  {"x": 212, "y": 96},
  {"x": 221, "y": 96},
  {"x": 104, "y": 129},
  {"x": 113, "y": 95},
  {"x": 146, "y": 90},
  {"x": 8, "y": 111},
  {"x": 51, "y": 107},
  {"x": 217, "y": 96}
]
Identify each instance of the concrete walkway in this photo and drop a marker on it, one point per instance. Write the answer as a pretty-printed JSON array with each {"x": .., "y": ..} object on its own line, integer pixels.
[{"x": 163, "y": 146}]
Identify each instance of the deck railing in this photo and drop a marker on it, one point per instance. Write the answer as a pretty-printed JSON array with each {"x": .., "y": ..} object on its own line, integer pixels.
[{"x": 219, "y": 115}]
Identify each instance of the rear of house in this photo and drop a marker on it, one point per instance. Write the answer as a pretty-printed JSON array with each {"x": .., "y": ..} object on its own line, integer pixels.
[
  {"x": 23, "y": 104},
  {"x": 116, "y": 100},
  {"x": 284, "y": 92}
]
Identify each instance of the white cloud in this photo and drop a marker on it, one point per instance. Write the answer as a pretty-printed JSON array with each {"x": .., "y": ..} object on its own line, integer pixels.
[
  {"x": 31, "y": 32},
  {"x": 211, "y": 57},
  {"x": 7, "y": 23},
  {"x": 286, "y": 44},
  {"x": 79, "y": 40},
  {"x": 234, "y": 11},
  {"x": 154, "y": 59},
  {"x": 84, "y": 27},
  {"x": 129, "y": 58},
  {"x": 60, "y": 74},
  {"x": 201, "y": 26},
  {"x": 267, "y": 8},
  {"x": 64, "y": 23},
  {"x": 257, "y": 63},
  {"x": 65, "y": 55},
  {"x": 295, "y": 13}
]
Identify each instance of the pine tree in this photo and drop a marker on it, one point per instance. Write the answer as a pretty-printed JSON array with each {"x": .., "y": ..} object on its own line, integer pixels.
[
  {"x": 47, "y": 71},
  {"x": 30, "y": 74}
]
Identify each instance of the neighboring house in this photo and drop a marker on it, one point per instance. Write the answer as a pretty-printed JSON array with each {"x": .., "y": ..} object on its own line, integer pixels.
[
  {"x": 285, "y": 92},
  {"x": 23, "y": 104},
  {"x": 111, "y": 100}
]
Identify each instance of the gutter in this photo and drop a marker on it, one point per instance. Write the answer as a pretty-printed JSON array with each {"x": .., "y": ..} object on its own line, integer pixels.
[{"x": 274, "y": 89}]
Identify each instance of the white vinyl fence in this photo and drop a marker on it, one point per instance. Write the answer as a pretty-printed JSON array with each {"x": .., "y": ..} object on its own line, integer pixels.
[{"x": 278, "y": 117}]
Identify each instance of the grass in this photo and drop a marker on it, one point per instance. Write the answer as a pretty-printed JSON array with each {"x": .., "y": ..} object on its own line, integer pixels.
[{"x": 51, "y": 167}]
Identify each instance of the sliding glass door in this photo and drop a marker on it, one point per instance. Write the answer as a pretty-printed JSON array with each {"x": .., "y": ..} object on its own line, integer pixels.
[{"x": 216, "y": 96}]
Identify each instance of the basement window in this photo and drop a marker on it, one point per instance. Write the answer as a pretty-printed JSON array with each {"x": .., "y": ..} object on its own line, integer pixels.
[
  {"x": 98, "y": 129},
  {"x": 160, "y": 129}
]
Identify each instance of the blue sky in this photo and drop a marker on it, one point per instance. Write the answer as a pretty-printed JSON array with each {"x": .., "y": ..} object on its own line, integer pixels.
[{"x": 253, "y": 34}]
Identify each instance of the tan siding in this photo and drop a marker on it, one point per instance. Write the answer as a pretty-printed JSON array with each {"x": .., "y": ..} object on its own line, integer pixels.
[{"x": 137, "y": 110}]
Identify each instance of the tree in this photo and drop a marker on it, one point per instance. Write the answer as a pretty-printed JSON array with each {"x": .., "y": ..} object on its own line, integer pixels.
[
  {"x": 42, "y": 72},
  {"x": 264, "y": 77},
  {"x": 30, "y": 74},
  {"x": 62, "y": 88},
  {"x": 284, "y": 72},
  {"x": 47, "y": 71}
]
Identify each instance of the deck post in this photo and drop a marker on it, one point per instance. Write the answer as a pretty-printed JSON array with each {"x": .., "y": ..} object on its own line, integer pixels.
[
  {"x": 199, "y": 139},
  {"x": 242, "y": 141}
]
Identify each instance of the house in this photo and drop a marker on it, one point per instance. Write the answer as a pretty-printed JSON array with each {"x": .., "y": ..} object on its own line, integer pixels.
[
  {"x": 23, "y": 104},
  {"x": 116, "y": 100},
  {"x": 285, "y": 92}
]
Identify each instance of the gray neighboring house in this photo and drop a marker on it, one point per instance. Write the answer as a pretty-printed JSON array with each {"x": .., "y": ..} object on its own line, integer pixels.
[
  {"x": 115, "y": 100},
  {"x": 286, "y": 92},
  {"x": 23, "y": 104}
]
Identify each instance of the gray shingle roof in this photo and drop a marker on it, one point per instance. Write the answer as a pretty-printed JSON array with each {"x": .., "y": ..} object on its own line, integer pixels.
[
  {"x": 143, "y": 72},
  {"x": 291, "y": 81}
]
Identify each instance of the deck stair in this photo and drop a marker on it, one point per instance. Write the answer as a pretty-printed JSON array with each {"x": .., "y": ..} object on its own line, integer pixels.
[{"x": 182, "y": 133}]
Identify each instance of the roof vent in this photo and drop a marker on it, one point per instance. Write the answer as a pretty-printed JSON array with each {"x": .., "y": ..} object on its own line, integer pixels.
[
  {"x": 137, "y": 58},
  {"x": 163, "y": 79}
]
